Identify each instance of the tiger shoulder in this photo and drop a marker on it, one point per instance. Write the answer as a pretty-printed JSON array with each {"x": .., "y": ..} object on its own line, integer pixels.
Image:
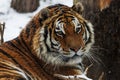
[{"x": 50, "y": 47}]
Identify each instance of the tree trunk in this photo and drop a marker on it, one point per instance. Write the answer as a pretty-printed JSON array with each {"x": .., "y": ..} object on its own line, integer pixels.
[
  {"x": 105, "y": 16},
  {"x": 2, "y": 27},
  {"x": 108, "y": 37},
  {"x": 24, "y": 6}
]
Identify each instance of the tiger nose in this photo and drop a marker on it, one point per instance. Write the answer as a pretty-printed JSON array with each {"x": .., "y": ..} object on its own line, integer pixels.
[{"x": 74, "y": 49}]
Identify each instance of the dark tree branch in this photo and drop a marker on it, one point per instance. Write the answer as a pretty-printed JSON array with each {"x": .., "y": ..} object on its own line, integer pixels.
[{"x": 2, "y": 27}]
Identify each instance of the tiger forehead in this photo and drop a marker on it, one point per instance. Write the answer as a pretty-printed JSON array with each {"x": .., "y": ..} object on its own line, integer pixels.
[
  {"x": 59, "y": 8},
  {"x": 66, "y": 22},
  {"x": 68, "y": 19},
  {"x": 65, "y": 19}
]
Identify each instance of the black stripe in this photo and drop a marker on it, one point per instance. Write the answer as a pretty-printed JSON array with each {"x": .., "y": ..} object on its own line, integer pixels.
[
  {"x": 25, "y": 45},
  {"x": 54, "y": 47},
  {"x": 87, "y": 27},
  {"x": 55, "y": 6},
  {"x": 2, "y": 65},
  {"x": 85, "y": 34},
  {"x": 66, "y": 16},
  {"x": 17, "y": 48},
  {"x": 8, "y": 55},
  {"x": 52, "y": 44},
  {"x": 13, "y": 59},
  {"x": 31, "y": 27},
  {"x": 71, "y": 16},
  {"x": 50, "y": 32},
  {"x": 20, "y": 44},
  {"x": 17, "y": 40},
  {"x": 89, "y": 39},
  {"x": 27, "y": 31},
  {"x": 45, "y": 32},
  {"x": 34, "y": 26},
  {"x": 45, "y": 36},
  {"x": 52, "y": 26}
]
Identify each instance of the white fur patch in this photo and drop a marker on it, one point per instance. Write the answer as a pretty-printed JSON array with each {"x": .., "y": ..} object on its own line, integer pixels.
[
  {"x": 77, "y": 24},
  {"x": 59, "y": 27},
  {"x": 89, "y": 35},
  {"x": 48, "y": 41},
  {"x": 72, "y": 77}
]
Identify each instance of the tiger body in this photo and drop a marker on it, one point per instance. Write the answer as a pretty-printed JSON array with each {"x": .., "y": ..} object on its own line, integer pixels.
[{"x": 53, "y": 42}]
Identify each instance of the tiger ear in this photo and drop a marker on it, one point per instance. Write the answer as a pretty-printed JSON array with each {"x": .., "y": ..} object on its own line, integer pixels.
[
  {"x": 78, "y": 7},
  {"x": 44, "y": 14}
]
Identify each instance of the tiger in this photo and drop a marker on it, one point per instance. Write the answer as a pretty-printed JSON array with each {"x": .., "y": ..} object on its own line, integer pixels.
[{"x": 52, "y": 44}]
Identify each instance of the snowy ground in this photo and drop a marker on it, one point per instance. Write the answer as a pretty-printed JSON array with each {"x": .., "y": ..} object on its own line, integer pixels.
[{"x": 16, "y": 21}]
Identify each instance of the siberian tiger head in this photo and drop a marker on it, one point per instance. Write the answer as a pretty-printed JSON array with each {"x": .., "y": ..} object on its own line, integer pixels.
[{"x": 65, "y": 36}]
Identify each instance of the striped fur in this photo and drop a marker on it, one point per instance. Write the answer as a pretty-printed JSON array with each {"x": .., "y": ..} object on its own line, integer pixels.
[{"x": 57, "y": 37}]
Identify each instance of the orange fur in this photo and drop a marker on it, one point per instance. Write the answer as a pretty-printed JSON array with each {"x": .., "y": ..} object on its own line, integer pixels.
[{"x": 21, "y": 58}]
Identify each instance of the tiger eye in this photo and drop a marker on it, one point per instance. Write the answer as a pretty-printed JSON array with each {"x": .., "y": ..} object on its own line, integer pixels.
[
  {"x": 60, "y": 33},
  {"x": 78, "y": 29}
]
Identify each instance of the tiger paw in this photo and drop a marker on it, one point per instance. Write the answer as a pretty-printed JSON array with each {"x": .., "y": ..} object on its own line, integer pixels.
[{"x": 72, "y": 77}]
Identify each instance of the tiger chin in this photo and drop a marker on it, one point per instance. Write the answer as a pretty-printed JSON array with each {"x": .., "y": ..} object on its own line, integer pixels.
[{"x": 50, "y": 47}]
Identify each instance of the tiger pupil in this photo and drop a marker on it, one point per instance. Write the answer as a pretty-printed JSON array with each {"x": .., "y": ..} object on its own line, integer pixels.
[
  {"x": 78, "y": 29},
  {"x": 78, "y": 25},
  {"x": 60, "y": 33}
]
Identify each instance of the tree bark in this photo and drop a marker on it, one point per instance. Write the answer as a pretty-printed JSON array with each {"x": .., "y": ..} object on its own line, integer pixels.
[
  {"x": 105, "y": 16},
  {"x": 24, "y": 6},
  {"x": 108, "y": 37}
]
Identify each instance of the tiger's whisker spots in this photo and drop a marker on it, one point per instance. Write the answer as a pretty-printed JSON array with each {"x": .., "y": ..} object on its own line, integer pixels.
[{"x": 89, "y": 58}]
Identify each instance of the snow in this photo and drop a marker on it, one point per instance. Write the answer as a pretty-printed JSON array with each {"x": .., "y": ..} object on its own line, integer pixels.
[{"x": 14, "y": 21}]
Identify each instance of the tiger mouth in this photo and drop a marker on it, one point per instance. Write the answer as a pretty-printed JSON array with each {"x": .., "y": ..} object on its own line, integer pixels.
[
  {"x": 67, "y": 55},
  {"x": 66, "y": 59}
]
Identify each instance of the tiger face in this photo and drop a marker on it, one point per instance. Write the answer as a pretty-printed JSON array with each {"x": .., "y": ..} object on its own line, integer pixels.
[
  {"x": 68, "y": 34},
  {"x": 65, "y": 35}
]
